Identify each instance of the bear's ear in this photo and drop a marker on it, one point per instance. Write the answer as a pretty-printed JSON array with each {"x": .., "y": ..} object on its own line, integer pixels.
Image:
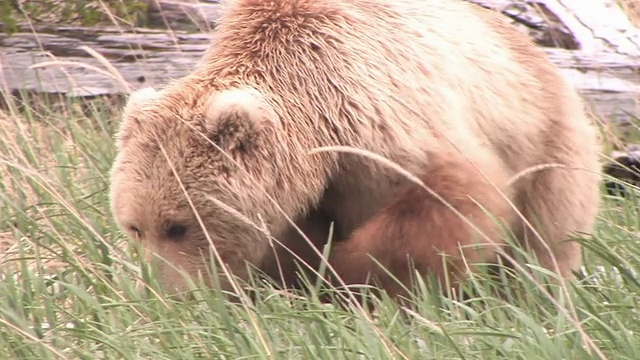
[
  {"x": 139, "y": 97},
  {"x": 135, "y": 101},
  {"x": 236, "y": 119}
]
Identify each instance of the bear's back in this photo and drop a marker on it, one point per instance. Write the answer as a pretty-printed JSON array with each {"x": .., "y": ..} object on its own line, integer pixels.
[
  {"x": 403, "y": 79},
  {"x": 362, "y": 68}
]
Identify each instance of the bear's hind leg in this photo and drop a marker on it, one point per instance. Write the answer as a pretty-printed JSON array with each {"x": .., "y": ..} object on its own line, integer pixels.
[{"x": 420, "y": 227}]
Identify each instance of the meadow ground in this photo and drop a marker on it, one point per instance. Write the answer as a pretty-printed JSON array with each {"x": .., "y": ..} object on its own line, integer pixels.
[{"x": 72, "y": 286}]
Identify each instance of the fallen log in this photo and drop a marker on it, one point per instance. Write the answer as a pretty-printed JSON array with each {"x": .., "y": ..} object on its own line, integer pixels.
[
  {"x": 591, "y": 26},
  {"x": 57, "y": 61},
  {"x": 183, "y": 15}
]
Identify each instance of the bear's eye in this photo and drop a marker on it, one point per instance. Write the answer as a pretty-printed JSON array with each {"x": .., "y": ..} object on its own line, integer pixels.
[
  {"x": 176, "y": 231},
  {"x": 134, "y": 230}
]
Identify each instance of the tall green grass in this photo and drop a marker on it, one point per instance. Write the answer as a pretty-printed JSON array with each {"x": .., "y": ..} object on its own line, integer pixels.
[{"x": 72, "y": 287}]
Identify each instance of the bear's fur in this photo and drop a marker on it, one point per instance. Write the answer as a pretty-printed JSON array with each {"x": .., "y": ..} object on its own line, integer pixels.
[
  {"x": 445, "y": 89},
  {"x": 292, "y": 252}
]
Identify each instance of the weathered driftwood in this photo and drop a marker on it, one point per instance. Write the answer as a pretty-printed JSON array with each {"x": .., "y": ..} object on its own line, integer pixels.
[
  {"x": 590, "y": 26},
  {"x": 147, "y": 57},
  {"x": 143, "y": 57},
  {"x": 546, "y": 31},
  {"x": 600, "y": 29},
  {"x": 183, "y": 14}
]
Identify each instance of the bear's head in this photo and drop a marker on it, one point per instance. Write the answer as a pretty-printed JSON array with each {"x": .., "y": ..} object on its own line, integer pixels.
[{"x": 196, "y": 173}]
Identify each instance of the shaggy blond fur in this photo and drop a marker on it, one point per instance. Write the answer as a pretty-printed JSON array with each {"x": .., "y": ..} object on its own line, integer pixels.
[{"x": 443, "y": 88}]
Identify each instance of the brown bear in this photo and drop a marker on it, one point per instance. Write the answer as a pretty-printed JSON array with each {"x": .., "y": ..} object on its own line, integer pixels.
[{"x": 221, "y": 159}]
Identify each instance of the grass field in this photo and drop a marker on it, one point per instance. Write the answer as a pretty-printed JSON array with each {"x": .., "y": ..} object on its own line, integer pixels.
[{"x": 72, "y": 287}]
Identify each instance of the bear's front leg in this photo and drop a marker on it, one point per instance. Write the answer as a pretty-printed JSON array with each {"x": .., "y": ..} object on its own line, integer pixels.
[
  {"x": 292, "y": 250},
  {"x": 419, "y": 229}
]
